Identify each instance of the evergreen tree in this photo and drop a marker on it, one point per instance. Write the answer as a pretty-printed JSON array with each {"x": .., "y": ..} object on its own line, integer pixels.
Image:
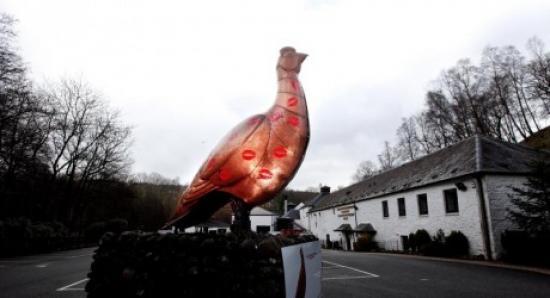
[{"x": 532, "y": 212}]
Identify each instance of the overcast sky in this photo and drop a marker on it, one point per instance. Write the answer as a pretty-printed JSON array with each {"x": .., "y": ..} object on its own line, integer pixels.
[{"x": 183, "y": 73}]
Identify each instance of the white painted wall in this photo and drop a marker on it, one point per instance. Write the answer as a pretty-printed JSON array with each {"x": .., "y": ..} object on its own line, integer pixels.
[
  {"x": 389, "y": 230},
  {"x": 324, "y": 222},
  {"x": 304, "y": 220},
  {"x": 498, "y": 194},
  {"x": 262, "y": 220}
]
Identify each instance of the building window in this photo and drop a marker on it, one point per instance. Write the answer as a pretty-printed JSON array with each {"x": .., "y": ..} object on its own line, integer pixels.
[
  {"x": 401, "y": 207},
  {"x": 422, "y": 204},
  {"x": 263, "y": 229},
  {"x": 451, "y": 200},
  {"x": 385, "y": 210}
]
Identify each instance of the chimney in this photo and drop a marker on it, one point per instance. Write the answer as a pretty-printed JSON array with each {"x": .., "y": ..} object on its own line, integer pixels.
[{"x": 325, "y": 189}]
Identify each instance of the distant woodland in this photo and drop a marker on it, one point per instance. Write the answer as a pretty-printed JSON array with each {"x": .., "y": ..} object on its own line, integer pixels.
[{"x": 64, "y": 163}]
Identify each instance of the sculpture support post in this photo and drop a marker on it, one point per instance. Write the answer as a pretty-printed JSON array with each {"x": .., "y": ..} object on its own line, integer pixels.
[{"x": 242, "y": 216}]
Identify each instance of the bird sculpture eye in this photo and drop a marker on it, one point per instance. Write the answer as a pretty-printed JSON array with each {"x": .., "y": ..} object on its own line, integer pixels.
[{"x": 276, "y": 116}]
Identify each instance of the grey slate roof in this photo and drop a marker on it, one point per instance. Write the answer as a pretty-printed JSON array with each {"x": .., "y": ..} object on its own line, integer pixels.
[
  {"x": 477, "y": 154},
  {"x": 259, "y": 211},
  {"x": 343, "y": 228},
  {"x": 313, "y": 201},
  {"x": 364, "y": 227}
]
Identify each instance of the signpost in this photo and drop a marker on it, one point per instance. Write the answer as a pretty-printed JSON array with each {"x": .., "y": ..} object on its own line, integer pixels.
[{"x": 302, "y": 267}]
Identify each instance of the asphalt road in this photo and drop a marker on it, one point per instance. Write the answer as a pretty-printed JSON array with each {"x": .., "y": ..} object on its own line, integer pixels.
[
  {"x": 48, "y": 275},
  {"x": 379, "y": 275},
  {"x": 345, "y": 274}
]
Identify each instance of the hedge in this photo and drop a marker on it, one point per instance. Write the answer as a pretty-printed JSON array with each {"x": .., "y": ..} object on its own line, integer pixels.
[
  {"x": 19, "y": 236},
  {"x": 137, "y": 264}
]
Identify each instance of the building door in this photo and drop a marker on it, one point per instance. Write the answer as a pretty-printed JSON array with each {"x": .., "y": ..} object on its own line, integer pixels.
[
  {"x": 405, "y": 243},
  {"x": 348, "y": 241}
]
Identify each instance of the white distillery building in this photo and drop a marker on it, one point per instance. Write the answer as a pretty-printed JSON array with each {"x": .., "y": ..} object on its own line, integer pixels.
[
  {"x": 464, "y": 187},
  {"x": 261, "y": 220}
]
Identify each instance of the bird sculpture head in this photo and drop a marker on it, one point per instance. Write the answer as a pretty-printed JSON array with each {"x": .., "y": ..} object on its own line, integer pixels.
[{"x": 290, "y": 60}]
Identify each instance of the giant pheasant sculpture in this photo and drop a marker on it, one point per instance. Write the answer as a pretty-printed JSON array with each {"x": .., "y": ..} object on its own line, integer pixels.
[{"x": 257, "y": 159}]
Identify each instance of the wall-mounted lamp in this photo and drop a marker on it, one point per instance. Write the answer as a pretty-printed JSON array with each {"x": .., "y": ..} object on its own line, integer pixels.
[{"x": 461, "y": 186}]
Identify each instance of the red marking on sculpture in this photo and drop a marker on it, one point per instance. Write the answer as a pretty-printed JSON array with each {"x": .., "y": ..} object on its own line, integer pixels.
[
  {"x": 293, "y": 120},
  {"x": 294, "y": 85},
  {"x": 248, "y": 154},
  {"x": 254, "y": 120},
  {"x": 279, "y": 151},
  {"x": 224, "y": 174},
  {"x": 293, "y": 101},
  {"x": 276, "y": 116},
  {"x": 211, "y": 163},
  {"x": 265, "y": 174}
]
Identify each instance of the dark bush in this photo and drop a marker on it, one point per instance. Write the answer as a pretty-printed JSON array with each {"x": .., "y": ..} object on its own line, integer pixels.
[
  {"x": 422, "y": 239},
  {"x": 365, "y": 244},
  {"x": 94, "y": 231},
  {"x": 520, "y": 247},
  {"x": 19, "y": 236},
  {"x": 436, "y": 247},
  {"x": 135, "y": 264},
  {"x": 456, "y": 244},
  {"x": 412, "y": 242}
]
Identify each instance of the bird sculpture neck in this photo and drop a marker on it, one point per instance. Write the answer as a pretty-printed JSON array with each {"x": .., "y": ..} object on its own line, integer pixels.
[{"x": 290, "y": 94}]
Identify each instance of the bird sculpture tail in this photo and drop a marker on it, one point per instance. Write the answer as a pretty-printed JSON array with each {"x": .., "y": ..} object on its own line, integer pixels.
[{"x": 193, "y": 212}]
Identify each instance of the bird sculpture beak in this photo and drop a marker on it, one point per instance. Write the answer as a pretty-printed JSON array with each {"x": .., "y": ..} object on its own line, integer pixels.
[{"x": 302, "y": 57}]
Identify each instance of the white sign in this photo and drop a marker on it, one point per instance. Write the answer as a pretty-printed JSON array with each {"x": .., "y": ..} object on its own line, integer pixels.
[{"x": 302, "y": 265}]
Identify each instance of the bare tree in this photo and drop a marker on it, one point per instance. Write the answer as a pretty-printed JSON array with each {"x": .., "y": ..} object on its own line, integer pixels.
[
  {"x": 408, "y": 145},
  {"x": 87, "y": 141},
  {"x": 539, "y": 74},
  {"x": 388, "y": 158},
  {"x": 365, "y": 170},
  {"x": 153, "y": 178}
]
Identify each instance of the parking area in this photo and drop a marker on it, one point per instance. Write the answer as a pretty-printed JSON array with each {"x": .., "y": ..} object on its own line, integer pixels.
[{"x": 344, "y": 274}]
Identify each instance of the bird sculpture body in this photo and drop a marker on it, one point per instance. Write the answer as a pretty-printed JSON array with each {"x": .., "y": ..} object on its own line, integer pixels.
[{"x": 258, "y": 157}]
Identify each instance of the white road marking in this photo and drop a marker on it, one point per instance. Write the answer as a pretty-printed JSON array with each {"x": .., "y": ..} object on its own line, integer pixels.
[
  {"x": 424, "y": 279},
  {"x": 351, "y": 268},
  {"x": 42, "y": 265},
  {"x": 346, "y": 277},
  {"x": 70, "y": 286},
  {"x": 77, "y": 256}
]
